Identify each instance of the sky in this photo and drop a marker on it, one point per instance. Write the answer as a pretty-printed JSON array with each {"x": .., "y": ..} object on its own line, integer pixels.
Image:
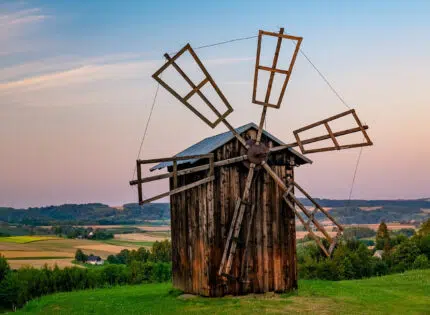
[{"x": 76, "y": 91}]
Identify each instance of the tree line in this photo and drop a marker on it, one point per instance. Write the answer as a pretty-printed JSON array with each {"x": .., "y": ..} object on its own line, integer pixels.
[
  {"x": 141, "y": 266},
  {"x": 352, "y": 259}
]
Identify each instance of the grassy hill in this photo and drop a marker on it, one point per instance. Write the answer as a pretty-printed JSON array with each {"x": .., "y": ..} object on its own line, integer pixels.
[{"x": 406, "y": 293}]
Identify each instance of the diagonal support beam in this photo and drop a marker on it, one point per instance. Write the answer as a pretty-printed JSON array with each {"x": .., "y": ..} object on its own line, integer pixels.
[
  {"x": 291, "y": 201},
  {"x": 236, "y": 224}
]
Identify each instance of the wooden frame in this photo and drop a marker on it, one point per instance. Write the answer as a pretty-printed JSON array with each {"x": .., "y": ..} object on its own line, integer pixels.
[
  {"x": 195, "y": 89},
  {"x": 274, "y": 69},
  {"x": 292, "y": 200},
  {"x": 333, "y": 135},
  {"x": 140, "y": 180}
]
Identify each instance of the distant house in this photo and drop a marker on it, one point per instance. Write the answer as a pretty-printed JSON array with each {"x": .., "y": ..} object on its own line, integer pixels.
[
  {"x": 95, "y": 260},
  {"x": 378, "y": 253}
]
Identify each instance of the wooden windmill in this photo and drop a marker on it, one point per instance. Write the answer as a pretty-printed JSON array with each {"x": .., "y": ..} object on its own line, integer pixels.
[{"x": 232, "y": 199}]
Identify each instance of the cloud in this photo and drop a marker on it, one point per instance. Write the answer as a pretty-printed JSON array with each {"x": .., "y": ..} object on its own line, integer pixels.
[{"x": 16, "y": 25}]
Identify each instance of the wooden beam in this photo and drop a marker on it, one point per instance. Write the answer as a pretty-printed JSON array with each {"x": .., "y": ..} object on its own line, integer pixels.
[
  {"x": 197, "y": 88},
  {"x": 314, "y": 221},
  {"x": 273, "y": 70},
  {"x": 286, "y": 36},
  {"x": 274, "y": 63},
  {"x": 311, "y": 233},
  {"x": 230, "y": 234},
  {"x": 177, "y": 158},
  {"x": 190, "y": 170},
  {"x": 320, "y": 122},
  {"x": 333, "y": 138},
  {"x": 139, "y": 178},
  {"x": 257, "y": 63},
  {"x": 175, "y": 174},
  {"x": 180, "y": 189},
  {"x": 320, "y": 138},
  {"x": 238, "y": 224},
  {"x": 290, "y": 70},
  {"x": 316, "y": 204}
]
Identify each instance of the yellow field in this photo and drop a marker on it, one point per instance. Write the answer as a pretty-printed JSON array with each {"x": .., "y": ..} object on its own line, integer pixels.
[
  {"x": 142, "y": 237},
  {"x": 25, "y": 239},
  {"x": 39, "y": 263}
]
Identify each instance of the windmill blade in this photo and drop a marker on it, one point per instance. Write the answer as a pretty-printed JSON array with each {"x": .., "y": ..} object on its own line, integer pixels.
[
  {"x": 292, "y": 202},
  {"x": 332, "y": 135},
  {"x": 286, "y": 72},
  {"x": 236, "y": 224},
  {"x": 196, "y": 89},
  {"x": 175, "y": 173}
]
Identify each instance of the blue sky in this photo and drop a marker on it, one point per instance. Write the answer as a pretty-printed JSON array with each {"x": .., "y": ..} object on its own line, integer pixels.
[{"x": 75, "y": 90}]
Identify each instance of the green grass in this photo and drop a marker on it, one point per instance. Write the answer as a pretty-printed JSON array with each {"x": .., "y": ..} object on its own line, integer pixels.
[
  {"x": 26, "y": 239},
  {"x": 406, "y": 293}
]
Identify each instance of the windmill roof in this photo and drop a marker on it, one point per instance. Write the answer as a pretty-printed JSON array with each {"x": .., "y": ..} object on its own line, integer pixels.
[{"x": 210, "y": 144}]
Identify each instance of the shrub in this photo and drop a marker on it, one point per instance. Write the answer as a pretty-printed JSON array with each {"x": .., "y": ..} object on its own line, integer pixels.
[
  {"x": 4, "y": 267},
  {"x": 421, "y": 262},
  {"x": 80, "y": 256}
]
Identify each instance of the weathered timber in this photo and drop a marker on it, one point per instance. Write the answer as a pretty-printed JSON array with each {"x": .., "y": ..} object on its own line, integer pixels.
[{"x": 264, "y": 257}]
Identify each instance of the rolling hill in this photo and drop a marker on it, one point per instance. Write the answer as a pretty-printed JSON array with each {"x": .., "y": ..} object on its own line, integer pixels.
[
  {"x": 395, "y": 294},
  {"x": 347, "y": 212}
]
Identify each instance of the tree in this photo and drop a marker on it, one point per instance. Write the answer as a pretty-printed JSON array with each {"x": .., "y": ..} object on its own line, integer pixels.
[
  {"x": 383, "y": 237},
  {"x": 80, "y": 256},
  {"x": 421, "y": 262},
  {"x": 162, "y": 251},
  {"x": 424, "y": 229},
  {"x": 4, "y": 267}
]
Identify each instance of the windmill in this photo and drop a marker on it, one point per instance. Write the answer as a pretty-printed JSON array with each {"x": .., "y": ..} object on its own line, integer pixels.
[{"x": 256, "y": 153}]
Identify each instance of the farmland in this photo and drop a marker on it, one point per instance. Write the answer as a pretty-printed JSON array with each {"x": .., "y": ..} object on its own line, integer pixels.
[
  {"x": 405, "y": 293},
  {"x": 51, "y": 250},
  {"x": 38, "y": 250}
]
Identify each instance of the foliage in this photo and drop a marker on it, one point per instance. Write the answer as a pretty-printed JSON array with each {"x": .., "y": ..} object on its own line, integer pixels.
[
  {"x": 383, "y": 237},
  {"x": 358, "y": 232},
  {"x": 353, "y": 260},
  {"x": 93, "y": 213},
  {"x": 127, "y": 267},
  {"x": 424, "y": 229},
  {"x": 421, "y": 262},
  {"x": 4, "y": 267},
  {"x": 160, "y": 252},
  {"x": 70, "y": 231},
  {"x": 80, "y": 256},
  {"x": 27, "y": 283}
]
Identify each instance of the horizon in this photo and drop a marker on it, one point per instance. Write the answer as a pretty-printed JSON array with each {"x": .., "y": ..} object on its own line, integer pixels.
[
  {"x": 167, "y": 202},
  {"x": 76, "y": 92}
]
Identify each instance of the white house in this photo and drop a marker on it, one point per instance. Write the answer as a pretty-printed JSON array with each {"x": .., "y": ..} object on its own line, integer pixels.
[{"x": 95, "y": 260}]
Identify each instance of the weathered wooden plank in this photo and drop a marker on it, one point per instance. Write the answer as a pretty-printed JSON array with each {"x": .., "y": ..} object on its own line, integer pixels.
[{"x": 180, "y": 189}]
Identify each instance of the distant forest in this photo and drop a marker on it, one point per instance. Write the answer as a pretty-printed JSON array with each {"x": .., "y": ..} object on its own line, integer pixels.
[{"x": 347, "y": 212}]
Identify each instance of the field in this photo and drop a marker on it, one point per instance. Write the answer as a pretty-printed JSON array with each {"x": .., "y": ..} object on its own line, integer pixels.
[
  {"x": 37, "y": 250},
  {"x": 53, "y": 251},
  {"x": 25, "y": 239},
  {"x": 395, "y": 294}
]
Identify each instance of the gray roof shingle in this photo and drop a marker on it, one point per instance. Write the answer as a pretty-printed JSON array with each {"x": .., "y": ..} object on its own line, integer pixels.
[{"x": 210, "y": 144}]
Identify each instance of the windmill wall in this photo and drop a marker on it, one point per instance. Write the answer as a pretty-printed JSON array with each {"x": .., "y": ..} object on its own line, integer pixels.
[{"x": 200, "y": 221}]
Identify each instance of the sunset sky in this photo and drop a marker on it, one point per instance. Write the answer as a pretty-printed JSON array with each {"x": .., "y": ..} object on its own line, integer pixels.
[{"x": 76, "y": 91}]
